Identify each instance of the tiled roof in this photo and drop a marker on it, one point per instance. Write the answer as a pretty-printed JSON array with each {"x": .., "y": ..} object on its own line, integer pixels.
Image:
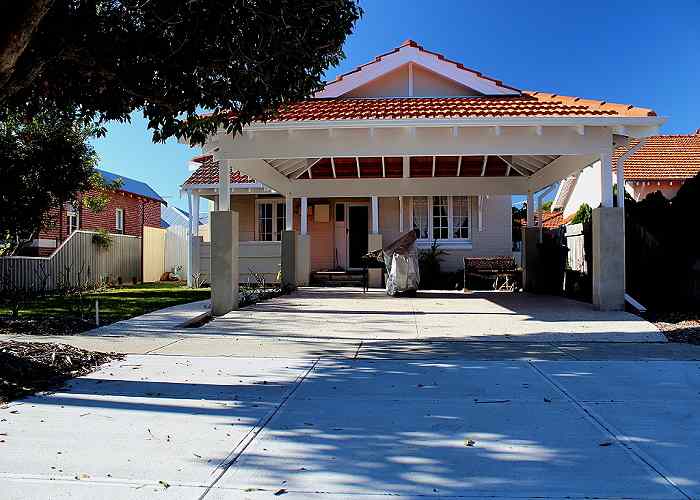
[
  {"x": 552, "y": 220},
  {"x": 663, "y": 157},
  {"x": 412, "y": 43},
  {"x": 530, "y": 104},
  {"x": 208, "y": 173}
]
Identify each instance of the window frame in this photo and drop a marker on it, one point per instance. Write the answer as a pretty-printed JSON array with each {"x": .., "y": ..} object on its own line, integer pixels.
[
  {"x": 117, "y": 228},
  {"x": 275, "y": 230},
  {"x": 450, "y": 241},
  {"x": 72, "y": 212}
]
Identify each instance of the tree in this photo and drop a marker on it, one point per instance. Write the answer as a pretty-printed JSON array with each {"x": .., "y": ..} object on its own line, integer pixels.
[
  {"x": 547, "y": 206},
  {"x": 239, "y": 59},
  {"x": 44, "y": 162}
]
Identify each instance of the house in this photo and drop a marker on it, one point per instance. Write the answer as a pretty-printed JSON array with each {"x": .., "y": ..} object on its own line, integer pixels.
[
  {"x": 410, "y": 140},
  {"x": 659, "y": 163},
  {"x": 130, "y": 208}
]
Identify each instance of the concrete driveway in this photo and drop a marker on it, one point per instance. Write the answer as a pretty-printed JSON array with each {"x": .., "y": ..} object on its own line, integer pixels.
[{"x": 233, "y": 412}]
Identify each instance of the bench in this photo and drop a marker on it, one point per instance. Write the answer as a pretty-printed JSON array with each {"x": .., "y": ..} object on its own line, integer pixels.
[{"x": 502, "y": 269}]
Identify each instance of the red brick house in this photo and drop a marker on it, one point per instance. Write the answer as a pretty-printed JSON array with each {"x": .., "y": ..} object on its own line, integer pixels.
[{"x": 129, "y": 209}]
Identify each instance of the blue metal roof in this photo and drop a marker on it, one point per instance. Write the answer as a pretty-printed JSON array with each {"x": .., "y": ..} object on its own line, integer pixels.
[{"x": 131, "y": 185}]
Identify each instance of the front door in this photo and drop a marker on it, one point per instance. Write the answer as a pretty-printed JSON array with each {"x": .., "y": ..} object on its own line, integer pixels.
[{"x": 358, "y": 220}]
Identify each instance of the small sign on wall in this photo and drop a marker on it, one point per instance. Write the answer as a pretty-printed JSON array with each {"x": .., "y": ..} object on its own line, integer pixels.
[{"x": 321, "y": 213}]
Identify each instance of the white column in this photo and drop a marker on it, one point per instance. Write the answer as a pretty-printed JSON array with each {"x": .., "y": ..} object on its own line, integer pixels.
[
  {"x": 289, "y": 214},
  {"x": 406, "y": 167},
  {"x": 530, "y": 209},
  {"x": 194, "y": 214},
  {"x": 401, "y": 214},
  {"x": 606, "y": 179},
  {"x": 190, "y": 241},
  {"x": 375, "y": 215},
  {"x": 304, "y": 215},
  {"x": 620, "y": 183},
  {"x": 224, "y": 186}
]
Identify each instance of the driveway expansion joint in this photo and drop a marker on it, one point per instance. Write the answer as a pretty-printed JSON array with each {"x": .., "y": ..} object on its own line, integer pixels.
[{"x": 597, "y": 420}]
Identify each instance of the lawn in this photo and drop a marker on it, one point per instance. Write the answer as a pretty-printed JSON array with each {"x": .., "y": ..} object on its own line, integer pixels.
[{"x": 58, "y": 314}]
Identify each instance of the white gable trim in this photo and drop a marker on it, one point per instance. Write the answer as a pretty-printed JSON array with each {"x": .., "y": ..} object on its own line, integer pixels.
[{"x": 410, "y": 54}]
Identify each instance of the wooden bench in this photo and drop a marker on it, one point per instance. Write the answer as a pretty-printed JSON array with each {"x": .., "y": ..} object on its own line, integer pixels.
[{"x": 503, "y": 270}]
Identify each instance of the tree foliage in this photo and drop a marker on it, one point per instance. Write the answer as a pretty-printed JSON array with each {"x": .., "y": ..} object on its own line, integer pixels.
[
  {"x": 239, "y": 59},
  {"x": 44, "y": 162},
  {"x": 583, "y": 215}
]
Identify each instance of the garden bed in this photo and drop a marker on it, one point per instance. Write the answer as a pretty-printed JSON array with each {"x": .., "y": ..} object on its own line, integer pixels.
[
  {"x": 681, "y": 327},
  {"x": 29, "y": 367}
]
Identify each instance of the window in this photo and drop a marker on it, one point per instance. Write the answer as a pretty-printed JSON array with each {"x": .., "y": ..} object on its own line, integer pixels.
[
  {"x": 119, "y": 220},
  {"x": 444, "y": 218},
  {"x": 340, "y": 212},
  {"x": 420, "y": 216},
  {"x": 73, "y": 215},
  {"x": 271, "y": 220}
]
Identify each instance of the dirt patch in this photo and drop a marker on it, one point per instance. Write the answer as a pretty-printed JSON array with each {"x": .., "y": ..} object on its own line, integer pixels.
[
  {"x": 44, "y": 326},
  {"x": 29, "y": 367},
  {"x": 681, "y": 327}
]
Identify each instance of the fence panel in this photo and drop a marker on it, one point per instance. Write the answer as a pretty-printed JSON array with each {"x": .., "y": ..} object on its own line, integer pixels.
[
  {"x": 77, "y": 261},
  {"x": 176, "y": 249},
  {"x": 153, "y": 253}
]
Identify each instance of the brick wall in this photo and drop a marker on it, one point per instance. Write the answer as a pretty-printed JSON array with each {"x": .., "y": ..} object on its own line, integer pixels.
[{"x": 133, "y": 206}]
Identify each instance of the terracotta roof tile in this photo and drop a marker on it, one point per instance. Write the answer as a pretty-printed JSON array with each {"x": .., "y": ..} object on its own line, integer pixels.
[
  {"x": 552, "y": 220},
  {"x": 208, "y": 173},
  {"x": 663, "y": 157},
  {"x": 530, "y": 104}
]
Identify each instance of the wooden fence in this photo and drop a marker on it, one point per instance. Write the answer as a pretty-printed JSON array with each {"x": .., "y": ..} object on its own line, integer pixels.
[
  {"x": 576, "y": 259},
  {"x": 77, "y": 261}
]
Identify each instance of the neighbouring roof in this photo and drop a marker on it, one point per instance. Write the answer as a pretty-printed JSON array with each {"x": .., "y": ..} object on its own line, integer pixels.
[
  {"x": 530, "y": 104},
  {"x": 131, "y": 186},
  {"x": 552, "y": 220},
  {"x": 208, "y": 173},
  {"x": 662, "y": 157}
]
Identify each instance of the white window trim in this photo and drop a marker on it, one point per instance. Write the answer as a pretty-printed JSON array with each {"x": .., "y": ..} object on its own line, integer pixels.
[
  {"x": 450, "y": 242},
  {"x": 119, "y": 223},
  {"x": 72, "y": 212},
  {"x": 274, "y": 202}
]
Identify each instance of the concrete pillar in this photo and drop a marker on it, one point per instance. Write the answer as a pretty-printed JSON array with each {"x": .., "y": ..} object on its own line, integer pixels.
[
  {"x": 608, "y": 258},
  {"x": 374, "y": 242},
  {"x": 530, "y": 258},
  {"x": 302, "y": 251},
  {"x": 224, "y": 262},
  {"x": 288, "y": 259}
]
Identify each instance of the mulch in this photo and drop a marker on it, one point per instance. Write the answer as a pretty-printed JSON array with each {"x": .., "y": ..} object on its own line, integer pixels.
[
  {"x": 29, "y": 367},
  {"x": 44, "y": 326},
  {"x": 683, "y": 327}
]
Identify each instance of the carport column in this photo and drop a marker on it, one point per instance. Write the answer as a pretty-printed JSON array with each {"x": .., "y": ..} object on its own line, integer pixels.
[
  {"x": 608, "y": 245},
  {"x": 374, "y": 242},
  {"x": 530, "y": 249},
  {"x": 303, "y": 247},
  {"x": 193, "y": 240},
  {"x": 224, "y": 262},
  {"x": 288, "y": 257}
]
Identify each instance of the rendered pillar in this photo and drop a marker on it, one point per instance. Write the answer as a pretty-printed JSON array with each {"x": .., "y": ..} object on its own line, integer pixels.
[
  {"x": 530, "y": 258},
  {"x": 224, "y": 262},
  {"x": 288, "y": 258},
  {"x": 302, "y": 252},
  {"x": 374, "y": 242},
  {"x": 608, "y": 258}
]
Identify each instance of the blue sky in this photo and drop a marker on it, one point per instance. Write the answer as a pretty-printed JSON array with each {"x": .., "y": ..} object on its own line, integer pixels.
[{"x": 644, "y": 53}]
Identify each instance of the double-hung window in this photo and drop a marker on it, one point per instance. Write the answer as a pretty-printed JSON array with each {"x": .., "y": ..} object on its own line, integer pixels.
[
  {"x": 119, "y": 220},
  {"x": 444, "y": 219},
  {"x": 73, "y": 216},
  {"x": 270, "y": 220}
]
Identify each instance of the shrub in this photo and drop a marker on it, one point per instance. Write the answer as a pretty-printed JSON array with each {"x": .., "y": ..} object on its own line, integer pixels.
[{"x": 102, "y": 239}]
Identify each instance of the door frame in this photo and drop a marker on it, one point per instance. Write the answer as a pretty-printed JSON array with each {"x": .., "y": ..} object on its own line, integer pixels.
[{"x": 349, "y": 204}]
